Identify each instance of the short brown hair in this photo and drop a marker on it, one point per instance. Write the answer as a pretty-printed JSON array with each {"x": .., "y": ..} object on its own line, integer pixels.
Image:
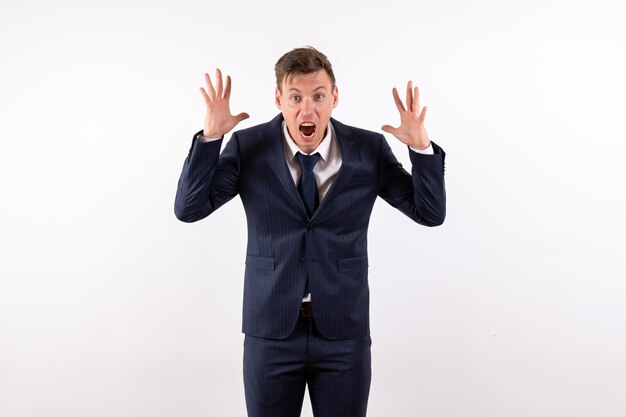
[{"x": 302, "y": 61}]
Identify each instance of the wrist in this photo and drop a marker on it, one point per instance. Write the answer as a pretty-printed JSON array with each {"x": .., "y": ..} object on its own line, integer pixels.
[
  {"x": 421, "y": 146},
  {"x": 211, "y": 134}
]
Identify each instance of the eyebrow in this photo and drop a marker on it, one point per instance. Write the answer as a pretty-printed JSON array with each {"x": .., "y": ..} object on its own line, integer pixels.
[{"x": 321, "y": 87}]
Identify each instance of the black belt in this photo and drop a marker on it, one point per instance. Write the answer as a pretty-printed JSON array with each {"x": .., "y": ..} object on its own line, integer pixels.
[{"x": 306, "y": 310}]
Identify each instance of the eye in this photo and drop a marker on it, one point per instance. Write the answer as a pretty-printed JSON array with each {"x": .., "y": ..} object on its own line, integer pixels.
[
  {"x": 295, "y": 98},
  {"x": 319, "y": 97}
]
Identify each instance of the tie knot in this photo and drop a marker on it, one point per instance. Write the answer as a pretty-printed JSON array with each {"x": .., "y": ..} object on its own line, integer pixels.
[{"x": 307, "y": 162}]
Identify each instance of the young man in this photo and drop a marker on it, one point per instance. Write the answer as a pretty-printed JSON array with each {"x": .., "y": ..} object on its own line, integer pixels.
[{"x": 308, "y": 184}]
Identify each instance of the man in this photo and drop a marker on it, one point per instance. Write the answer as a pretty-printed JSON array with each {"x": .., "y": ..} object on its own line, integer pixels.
[{"x": 308, "y": 184}]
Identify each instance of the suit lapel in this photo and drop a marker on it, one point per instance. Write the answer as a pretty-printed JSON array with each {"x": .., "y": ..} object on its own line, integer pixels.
[
  {"x": 350, "y": 159},
  {"x": 274, "y": 154}
]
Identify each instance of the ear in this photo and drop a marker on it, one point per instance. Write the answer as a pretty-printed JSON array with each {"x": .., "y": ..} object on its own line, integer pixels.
[
  {"x": 335, "y": 97},
  {"x": 278, "y": 98}
]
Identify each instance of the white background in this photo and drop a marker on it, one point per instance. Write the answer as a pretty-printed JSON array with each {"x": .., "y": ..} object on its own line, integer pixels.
[{"x": 109, "y": 306}]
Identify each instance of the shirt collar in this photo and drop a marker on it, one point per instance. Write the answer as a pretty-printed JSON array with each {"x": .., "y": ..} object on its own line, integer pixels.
[{"x": 323, "y": 148}]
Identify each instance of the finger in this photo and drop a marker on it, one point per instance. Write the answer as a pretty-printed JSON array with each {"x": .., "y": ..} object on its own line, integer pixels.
[
  {"x": 396, "y": 98},
  {"x": 423, "y": 113},
  {"x": 227, "y": 88},
  {"x": 416, "y": 100},
  {"x": 219, "y": 87},
  {"x": 209, "y": 86},
  {"x": 409, "y": 96},
  {"x": 205, "y": 96},
  {"x": 241, "y": 116}
]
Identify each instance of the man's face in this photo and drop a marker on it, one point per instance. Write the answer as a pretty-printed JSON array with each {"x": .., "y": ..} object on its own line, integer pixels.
[{"x": 306, "y": 101}]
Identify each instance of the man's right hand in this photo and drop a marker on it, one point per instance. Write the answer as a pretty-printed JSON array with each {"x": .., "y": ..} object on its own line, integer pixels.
[{"x": 218, "y": 119}]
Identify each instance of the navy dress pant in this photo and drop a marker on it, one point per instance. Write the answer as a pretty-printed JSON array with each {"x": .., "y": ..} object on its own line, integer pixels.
[{"x": 276, "y": 371}]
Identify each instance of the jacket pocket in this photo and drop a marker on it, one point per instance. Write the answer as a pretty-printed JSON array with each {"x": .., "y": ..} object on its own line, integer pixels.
[
  {"x": 352, "y": 264},
  {"x": 260, "y": 262}
]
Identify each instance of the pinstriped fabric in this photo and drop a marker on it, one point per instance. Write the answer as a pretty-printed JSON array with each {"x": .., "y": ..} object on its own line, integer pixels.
[
  {"x": 285, "y": 245},
  {"x": 338, "y": 374}
]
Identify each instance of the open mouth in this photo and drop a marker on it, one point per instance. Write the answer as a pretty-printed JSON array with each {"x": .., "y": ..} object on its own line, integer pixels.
[{"x": 307, "y": 129}]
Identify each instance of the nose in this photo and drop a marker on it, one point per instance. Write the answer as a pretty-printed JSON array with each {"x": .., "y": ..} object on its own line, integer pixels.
[{"x": 306, "y": 106}]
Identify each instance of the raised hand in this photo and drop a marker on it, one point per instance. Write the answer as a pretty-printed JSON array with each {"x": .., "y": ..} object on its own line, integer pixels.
[
  {"x": 411, "y": 131},
  {"x": 218, "y": 120}
]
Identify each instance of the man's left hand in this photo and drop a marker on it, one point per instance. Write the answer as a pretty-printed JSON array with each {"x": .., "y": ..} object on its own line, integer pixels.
[{"x": 411, "y": 131}]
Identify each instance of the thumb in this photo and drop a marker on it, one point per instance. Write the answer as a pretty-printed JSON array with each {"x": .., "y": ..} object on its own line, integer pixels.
[
  {"x": 389, "y": 129},
  {"x": 241, "y": 116}
]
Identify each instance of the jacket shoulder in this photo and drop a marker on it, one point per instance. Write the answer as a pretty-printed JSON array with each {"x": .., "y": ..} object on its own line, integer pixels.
[
  {"x": 252, "y": 130},
  {"x": 342, "y": 128},
  {"x": 261, "y": 129},
  {"x": 366, "y": 139}
]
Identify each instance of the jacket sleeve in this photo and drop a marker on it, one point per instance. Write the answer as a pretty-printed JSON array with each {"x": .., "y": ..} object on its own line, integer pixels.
[
  {"x": 420, "y": 195},
  {"x": 208, "y": 179}
]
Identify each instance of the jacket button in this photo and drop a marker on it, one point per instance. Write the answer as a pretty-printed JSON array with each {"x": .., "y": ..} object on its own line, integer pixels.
[
  {"x": 309, "y": 227},
  {"x": 305, "y": 261}
]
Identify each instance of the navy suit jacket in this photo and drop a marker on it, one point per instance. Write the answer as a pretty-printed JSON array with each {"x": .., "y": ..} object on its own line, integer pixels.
[{"x": 285, "y": 246}]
